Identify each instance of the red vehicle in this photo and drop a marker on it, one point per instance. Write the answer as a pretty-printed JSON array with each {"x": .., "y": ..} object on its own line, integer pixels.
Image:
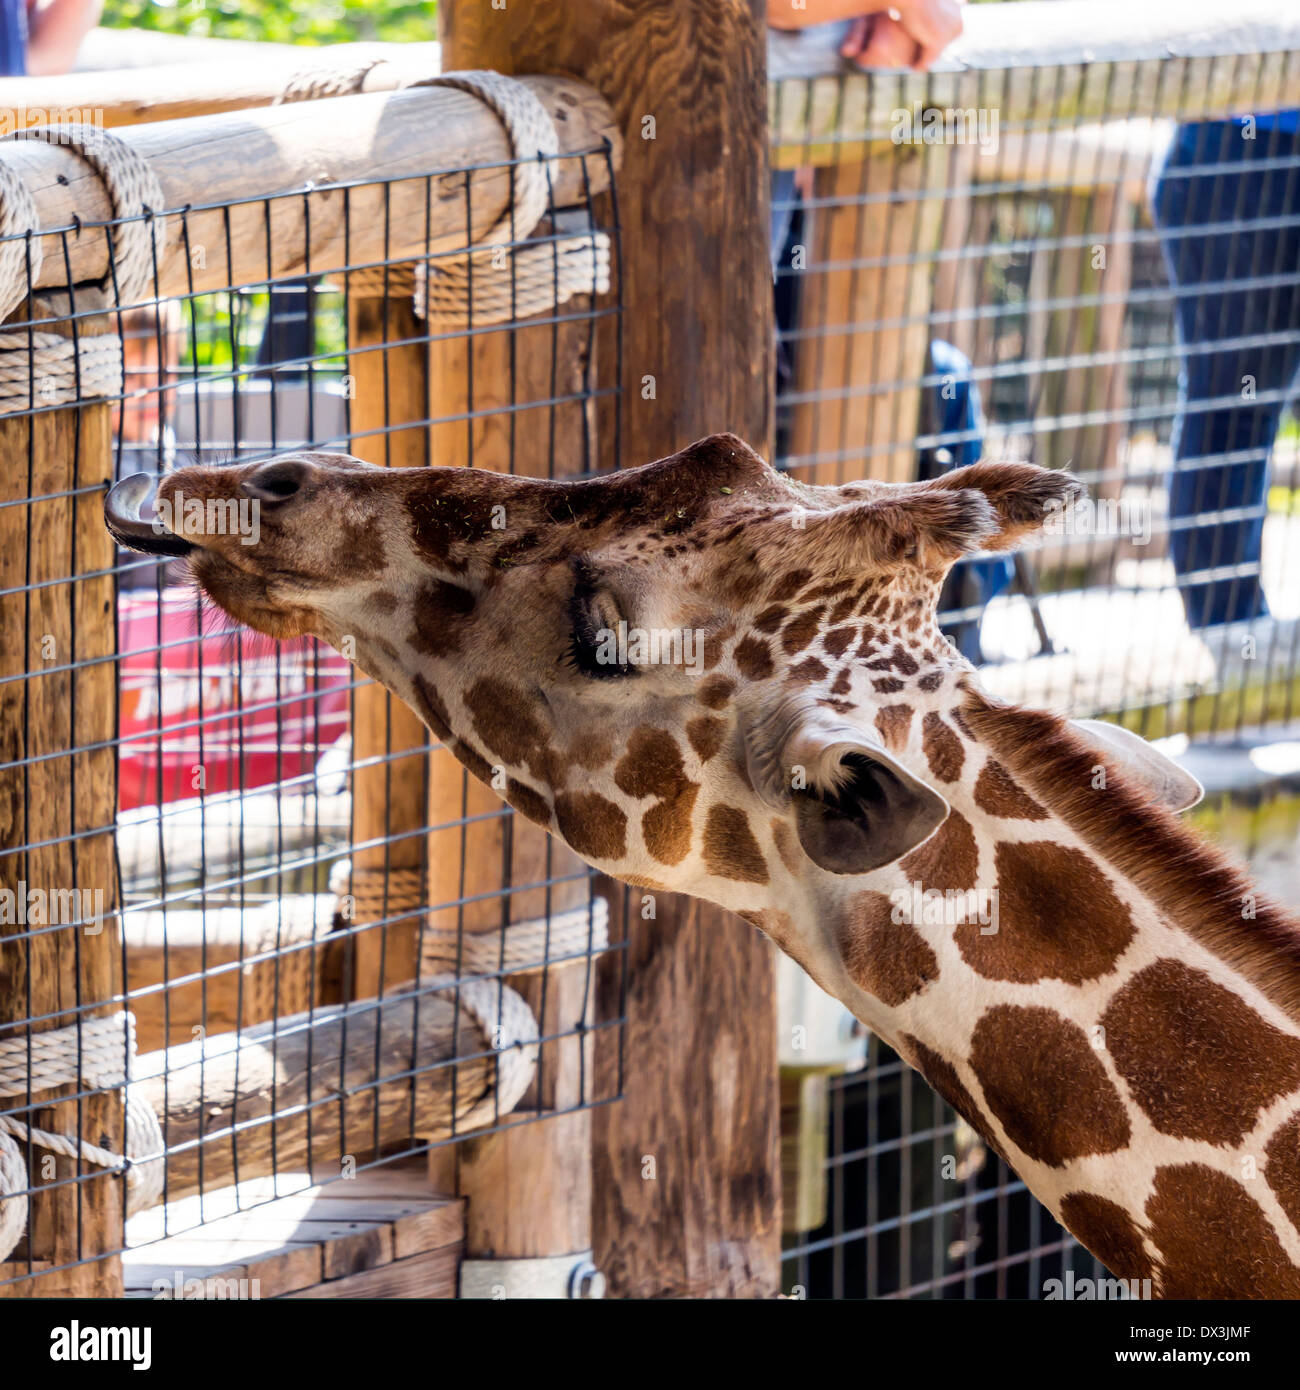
[{"x": 226, "y": 710}]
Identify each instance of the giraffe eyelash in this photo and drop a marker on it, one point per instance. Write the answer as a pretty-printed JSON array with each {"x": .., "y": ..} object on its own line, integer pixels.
[{"x": 586, "y": 622}]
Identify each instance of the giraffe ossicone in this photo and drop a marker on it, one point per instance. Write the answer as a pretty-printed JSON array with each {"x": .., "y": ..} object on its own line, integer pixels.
[{"x": 1123, "y": 1029}]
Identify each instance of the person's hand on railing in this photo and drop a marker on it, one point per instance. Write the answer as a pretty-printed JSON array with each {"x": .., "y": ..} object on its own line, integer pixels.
[{"x": 901, "y": 34}]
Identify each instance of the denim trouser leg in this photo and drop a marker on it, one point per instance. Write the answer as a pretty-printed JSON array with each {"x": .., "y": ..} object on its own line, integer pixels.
[{"x": 1205, "y": 267}]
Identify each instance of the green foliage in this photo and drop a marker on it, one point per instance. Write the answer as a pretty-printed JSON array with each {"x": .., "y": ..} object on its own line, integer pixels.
[{"x": 279, "y": 21}]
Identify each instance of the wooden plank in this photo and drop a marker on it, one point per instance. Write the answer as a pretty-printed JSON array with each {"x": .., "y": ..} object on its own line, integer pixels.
[
  {"x": 296, "y": 1242},
  {"x": 697, "y": 320},
  {"x": 401, "y": 1200},
  {"x": 238, "y": 159},
  {"x": 387, "y": 359},
  {"x": 278, "y": 1269},
  {"x": 67, "y": 799},
  {"x": 528, "y": 1187},
  {"x": 430, "y": 1275}
]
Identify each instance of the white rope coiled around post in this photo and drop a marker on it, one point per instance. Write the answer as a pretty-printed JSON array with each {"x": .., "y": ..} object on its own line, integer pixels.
[
  {"x": 136, "y": 196},
  {"x": 21, "y": 253},
  {"x": 566, "y": 938},
  {"x": 94, "y": 1054},
  {"x": 511, "y": 1032},
  {"x": 500, "y": 280},
  {"x": 40, "y": 368}
]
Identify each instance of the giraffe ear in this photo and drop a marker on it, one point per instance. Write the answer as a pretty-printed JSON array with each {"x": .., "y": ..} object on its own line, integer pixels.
[
  {"x": 1024, "y": 496},
  {"x": 871, "y": 812},
  {"x": 1154, "y": 771},
  {"x": 855, "y": 807}
]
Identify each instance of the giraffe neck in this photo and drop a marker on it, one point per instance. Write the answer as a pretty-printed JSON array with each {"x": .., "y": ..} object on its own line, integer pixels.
[{"x": 1099, "y": 994}]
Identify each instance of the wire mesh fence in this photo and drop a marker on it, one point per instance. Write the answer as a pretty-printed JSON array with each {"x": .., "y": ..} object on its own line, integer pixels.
[
  {"x": 305, "y": 904},
  {"x": 236, "y": 871},
  {"x": 1089, "y": 265}
]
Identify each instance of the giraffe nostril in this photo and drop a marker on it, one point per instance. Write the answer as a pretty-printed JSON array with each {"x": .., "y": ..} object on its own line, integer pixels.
[{"x": 276, "y": 481}]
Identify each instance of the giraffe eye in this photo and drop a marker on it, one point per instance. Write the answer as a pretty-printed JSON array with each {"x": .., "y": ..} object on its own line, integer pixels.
[{"x": 598, "y": 631}]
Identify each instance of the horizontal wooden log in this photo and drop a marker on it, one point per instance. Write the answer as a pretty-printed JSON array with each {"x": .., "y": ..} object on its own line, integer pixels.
[
  {"x": 220, "y": 968},
  {"x": 205, "y": 85},
  {"x": 1061, "y": 62},
  {"x": 223, "y": 167},
  {"x": 302, "y": 1093}
]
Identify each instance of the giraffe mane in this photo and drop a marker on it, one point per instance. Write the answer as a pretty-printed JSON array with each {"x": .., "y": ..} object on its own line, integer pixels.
[{"x": 1187, "y": 879}]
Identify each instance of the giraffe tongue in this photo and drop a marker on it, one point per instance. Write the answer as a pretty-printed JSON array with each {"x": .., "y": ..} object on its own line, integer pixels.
[{"x": 132, "y": 521}]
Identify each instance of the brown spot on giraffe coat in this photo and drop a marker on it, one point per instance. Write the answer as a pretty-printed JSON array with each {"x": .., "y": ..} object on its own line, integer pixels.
[
  {"x": 770, "y": 619},
  {"x": 837, "y": 642},
  {"x": 440, "y": 613},
  {"x": 653, "y": 766},
  {"x": 1044, "y": 930},
  {"x": 786, "y": 586},
  {"x": 1198, "y": 1059},
  {"x": 504, "y": 717},
  {"x": 705, "y": 734},
  {"x": 997, "y": 794},
  {"x": 715, "y": 691},
  {"x": 1214, "y": 1240},
  {"x": 787, "y": 846},
  {"x": 527, "y": 802},
  {"x": 730, "y": 849},
  {"x": 430, "y": 707},
  {"x": 1283, "y": 1167},
  {"x": 808, "y": 672},
  {"x": 943, "y": 749},
  {"x": 1046, "y": 1084},
  {"x": 800, "y": 630},
  {"x": 949, "y": 859},
  {"x": 941, "y": 1076},
  {"x": 666, "y": 826},
  {"x": 754, "y": 657},
  {"x": 889, "y": 959},
  {"x": 894, "y": 724},
  {"x": 1106, "y": 1229},
  {"x": 591, "y": 824}
]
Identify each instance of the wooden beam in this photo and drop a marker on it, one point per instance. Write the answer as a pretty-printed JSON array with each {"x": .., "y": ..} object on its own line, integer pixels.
[
  {"x": 687, "y": 1170},
  {"x": 387, "y": 360},
  {"x": 413, "y": 154},
  {"x": 528, "y": 1188},
  {"x": 65, "y": 800},
  {"x": 210, "y": 83}
]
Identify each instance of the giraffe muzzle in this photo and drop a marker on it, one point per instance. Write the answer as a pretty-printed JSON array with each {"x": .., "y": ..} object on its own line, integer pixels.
[{"x": 132, "y": 518}]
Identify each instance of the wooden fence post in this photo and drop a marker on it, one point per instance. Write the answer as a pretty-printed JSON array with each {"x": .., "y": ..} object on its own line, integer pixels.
[
  {"x": 686, "y": 1167},
  {"x": 386, "y": 363},
  {"x": 59, "y": 706}
]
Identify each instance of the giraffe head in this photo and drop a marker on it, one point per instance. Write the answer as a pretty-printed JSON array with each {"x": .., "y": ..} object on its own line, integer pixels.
[{"x": 688, "y": 671}]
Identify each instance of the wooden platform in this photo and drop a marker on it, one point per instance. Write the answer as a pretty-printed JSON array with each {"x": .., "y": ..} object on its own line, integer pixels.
[{"x": 383, "y": 1234}]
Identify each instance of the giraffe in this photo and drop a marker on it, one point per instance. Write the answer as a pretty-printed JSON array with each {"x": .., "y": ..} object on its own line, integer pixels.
[{"x": 1124, "y": 1028}]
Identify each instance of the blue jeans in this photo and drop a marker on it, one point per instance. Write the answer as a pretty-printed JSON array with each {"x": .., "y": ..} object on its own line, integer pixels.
[{"x": 1210, "y": 309}]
